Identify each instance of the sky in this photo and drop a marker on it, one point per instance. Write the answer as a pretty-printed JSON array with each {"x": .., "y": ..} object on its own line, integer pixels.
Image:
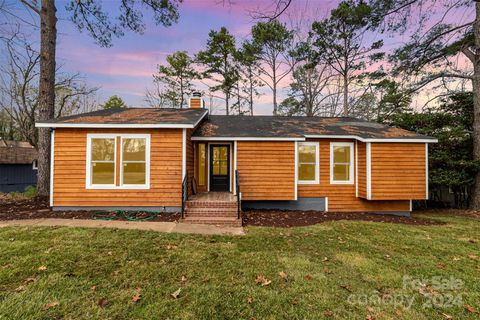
[{"x": 126, "y": 68}]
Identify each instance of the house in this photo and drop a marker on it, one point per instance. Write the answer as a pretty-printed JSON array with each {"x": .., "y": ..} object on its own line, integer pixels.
[
  {"x": 210, "y": 165},
  {"x": 18, "y": 166}
]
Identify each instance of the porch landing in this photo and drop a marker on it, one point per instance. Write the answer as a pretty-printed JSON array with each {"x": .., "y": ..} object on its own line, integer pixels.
[{"x": 214, "y": 208}]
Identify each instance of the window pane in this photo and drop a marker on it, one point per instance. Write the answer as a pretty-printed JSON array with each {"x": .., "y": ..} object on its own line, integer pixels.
[
  {"x": 201, "y": 164},
  {"x": 103, "y": 149},
  {"x": 341, "y": 154},
  {"x": 223, "y": 167},
  {"x": 134, "y": 173},
  {"x": 341, "y": 172},
  {"x": 134, "y": 149},
  {"x": 223, "y": 153},
  {"x": 306, "y": 172},
  {"x": 216, "y": 167},
  {"x": 103, "y": 173},
  {"x": 306, "y": 154}
]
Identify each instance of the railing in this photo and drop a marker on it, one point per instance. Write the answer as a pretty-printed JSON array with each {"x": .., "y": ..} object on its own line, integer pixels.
[
  {"x": 239, "y": 195},
  {"x": 184, "y": 194}
]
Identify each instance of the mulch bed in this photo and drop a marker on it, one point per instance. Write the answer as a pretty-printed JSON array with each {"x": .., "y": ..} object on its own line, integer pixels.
[
  {"x": 38, "y": 207},
  {"x": 287, "y": 219}
]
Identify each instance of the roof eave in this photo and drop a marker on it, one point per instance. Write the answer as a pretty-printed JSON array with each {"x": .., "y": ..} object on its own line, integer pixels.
[{"x": 402, "y": 139}]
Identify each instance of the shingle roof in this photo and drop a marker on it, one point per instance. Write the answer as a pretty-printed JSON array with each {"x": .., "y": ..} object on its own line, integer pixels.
[
  {"x": 298, "y": 127},
  {"x": 17, "y": 152},
  {"x": 131, "y": 116}
]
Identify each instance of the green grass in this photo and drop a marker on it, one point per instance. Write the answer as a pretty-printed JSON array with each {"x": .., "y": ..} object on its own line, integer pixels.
[{"x": 362, "y": 258}]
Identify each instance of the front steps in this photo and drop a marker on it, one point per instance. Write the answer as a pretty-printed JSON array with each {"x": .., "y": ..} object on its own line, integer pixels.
[{"x": 220, "y": 210}]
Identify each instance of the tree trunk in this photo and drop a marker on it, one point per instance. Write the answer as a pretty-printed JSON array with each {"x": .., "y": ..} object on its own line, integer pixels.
[
  {"x": 345, "y": 95},
  {"x": 227, "y": 103},
  {"x": 46, "y": 95},
  {"x": 274, "y": 87},
  {"x": 251, "y": 97},
  {"x": 475, "y": 201}
]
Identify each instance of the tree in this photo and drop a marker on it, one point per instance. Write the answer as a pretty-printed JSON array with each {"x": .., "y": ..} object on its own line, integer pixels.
[
  {"x": 114, "y": 102},
  {"x": 90, "y": 16},
  {"x": 247, "y": 57},
  {"x": 436, "y": 46},
  {"x": 19, "y": 92},
  {"x": 273, "y": 40},
  {"x": 451, "y": 161},
  {"x": 339, "y": 40},
  {"x": 219, "y": 62},
  {"x": 177, "y": 78}
]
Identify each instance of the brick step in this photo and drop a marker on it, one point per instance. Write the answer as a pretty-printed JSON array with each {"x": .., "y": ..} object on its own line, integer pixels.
[
  {"x": 216, "y": 204},
  {"x": 218, "y": 221},
  {"x": 211, "y": 212}
]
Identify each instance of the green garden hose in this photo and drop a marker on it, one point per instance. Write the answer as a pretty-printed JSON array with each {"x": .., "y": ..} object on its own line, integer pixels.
[{"x": 121, "y": 214}]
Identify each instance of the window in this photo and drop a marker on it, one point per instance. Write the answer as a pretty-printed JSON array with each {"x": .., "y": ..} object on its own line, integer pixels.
[
  {"x": 132, "y": 154},
  {"x": 202, "y": 155},
  {"x": 341, "y": 163},
  {"x": 308, "y": 163}
]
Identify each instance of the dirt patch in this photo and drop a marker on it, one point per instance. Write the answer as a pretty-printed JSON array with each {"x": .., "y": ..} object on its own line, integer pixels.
[
  {"x": 38, "y": 207},
  {"x": 280, "y": 218}
]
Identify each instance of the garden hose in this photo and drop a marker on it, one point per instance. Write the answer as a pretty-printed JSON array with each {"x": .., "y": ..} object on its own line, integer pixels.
[{"x": 121, "y": 214}]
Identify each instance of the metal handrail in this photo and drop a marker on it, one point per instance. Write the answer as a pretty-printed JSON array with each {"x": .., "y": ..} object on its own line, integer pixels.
[
  {"x": 184, "y": 194},
  {"x": 237, "y": 188}
]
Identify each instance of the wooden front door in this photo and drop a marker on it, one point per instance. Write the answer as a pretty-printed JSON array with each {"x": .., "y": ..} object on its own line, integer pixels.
[{"x": 220, "y": 167}]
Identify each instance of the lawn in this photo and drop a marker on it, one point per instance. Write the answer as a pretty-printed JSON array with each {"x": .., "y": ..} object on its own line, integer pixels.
[{"x": 321, "y": 271}]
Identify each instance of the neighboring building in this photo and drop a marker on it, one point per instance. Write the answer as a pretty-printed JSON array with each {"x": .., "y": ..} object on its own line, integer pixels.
[
  {"x": 141, "y": 158},
  {"x": 18, "y": 165}
]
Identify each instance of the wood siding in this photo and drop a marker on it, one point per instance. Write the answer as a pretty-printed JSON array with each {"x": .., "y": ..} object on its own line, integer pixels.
[
  {"x": 267, "y": 170},
  {"x": 70, "y": 171},
  {"x": 398, "y": 171},
  {"x": 342, "y": 198},
  {"x": 362, "y": 169}
]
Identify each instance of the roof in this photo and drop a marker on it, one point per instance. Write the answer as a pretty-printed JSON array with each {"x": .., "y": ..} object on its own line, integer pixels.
[
  {"x": 130, "y": 118},
  {"x": 17, "y": 152},
  {"x": 299, "y": 128}
]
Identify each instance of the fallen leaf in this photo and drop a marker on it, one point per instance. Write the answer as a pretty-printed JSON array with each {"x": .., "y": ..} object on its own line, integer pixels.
[
  {"x": 388, "y": 257},
  {"x": 176, "y": 294},
  {"x": 116, "y": 273},
  {"x": 93, "y": 288},
  {"x": 370, "y": 317},
  {"x": 20, "y": 288},
  {"x": 110, "y": 253},
  {"x": 473, "y": 257},
  {"x": 171, "y": 247},
  {"x": 28, "y": 280},
  {"x": 249, "y": 300},
  {"x": 328, "y": 313},
  {"x": 294, "y": 302},
  {"x": 398, "y": 312},
  {"x": 469, "y": 308},
  {"x": 282, "y": 274},
  {"x": 447, "y": 316},
  {"x": 308, "y": 277},
  {"x": 456, "y": 259},
  {"x": 346, "y": 287},
  {"x": 51, "y": 305},
  {"x": 136, "y": 298},
  {"x": 325, "y": 259},
  {"x": 102, "y": 302},
  {"x": 42, "y": 268},
  {"x": 262, "y": 280},
  {"x": 183, "y": 279}
]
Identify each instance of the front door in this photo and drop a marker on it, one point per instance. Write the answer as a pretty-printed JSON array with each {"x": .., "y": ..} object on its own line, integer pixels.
[{"x": 220, "y": 167}]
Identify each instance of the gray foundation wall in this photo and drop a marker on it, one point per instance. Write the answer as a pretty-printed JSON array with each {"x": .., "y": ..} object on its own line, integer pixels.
[{"x": 304, "y": 204}]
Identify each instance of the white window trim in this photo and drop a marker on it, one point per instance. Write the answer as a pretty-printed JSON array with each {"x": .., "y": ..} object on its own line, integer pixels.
[
  {"x": 352, "y": 161},
  {"x": 114, "y": 136},
  {"x": 35, "y": 165},
  {"x": 317, "y": 162}
]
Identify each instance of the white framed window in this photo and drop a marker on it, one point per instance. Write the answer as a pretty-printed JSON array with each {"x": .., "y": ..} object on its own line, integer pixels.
[
  {"x": 107, "y": 152},
  {"x": 341, "y": 162},
  {"x": 35, "y": 165},
  {"x": 308, "y": 163}
]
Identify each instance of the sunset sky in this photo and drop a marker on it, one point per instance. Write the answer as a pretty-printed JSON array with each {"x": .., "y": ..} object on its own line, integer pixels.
[{"x": 126, "y": 68}]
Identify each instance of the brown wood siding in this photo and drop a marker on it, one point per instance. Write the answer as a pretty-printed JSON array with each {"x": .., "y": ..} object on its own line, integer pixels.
[
  {"x": 190, "y": 160},
  {"x": 362, "y": 169},
  {"x": 342, "y": 198},
  {"x": 398, "y": 171},
  {"x": 70, "y": 171},
  {"x": 267, "y": 170}
]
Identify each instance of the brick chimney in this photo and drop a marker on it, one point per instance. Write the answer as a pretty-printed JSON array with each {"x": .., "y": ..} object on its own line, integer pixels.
[{"x": 196, "y": 101}]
